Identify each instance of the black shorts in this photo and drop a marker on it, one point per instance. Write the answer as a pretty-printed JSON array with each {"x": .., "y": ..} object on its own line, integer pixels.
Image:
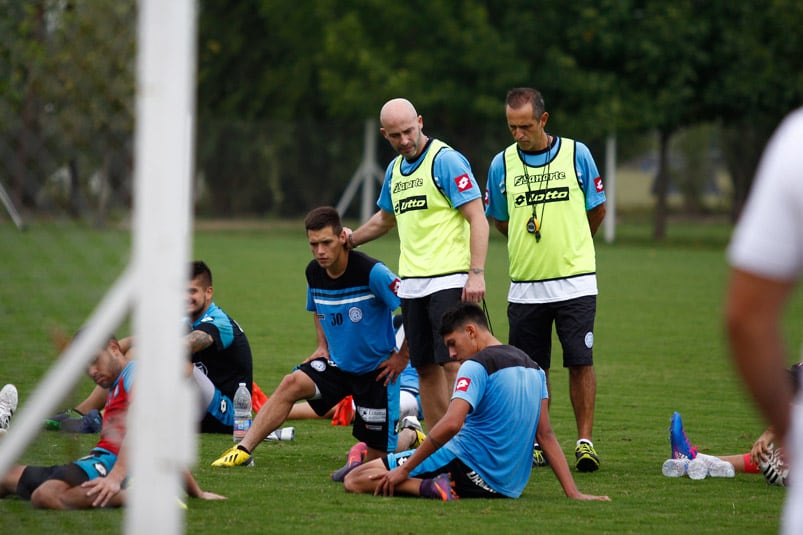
[
  {"x": 422, "y": 325},
  {"x": 531, "y": 329},
  {"x": 377, "y": 406},
  {"x": 33, "y": 476}
]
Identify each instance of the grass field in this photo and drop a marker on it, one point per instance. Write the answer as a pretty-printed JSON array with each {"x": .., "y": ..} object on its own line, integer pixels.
[{"x": 659, "y": 348}]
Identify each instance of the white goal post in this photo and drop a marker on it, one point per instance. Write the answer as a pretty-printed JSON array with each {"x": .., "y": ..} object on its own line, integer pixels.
[{"x": 161, "y": 432}]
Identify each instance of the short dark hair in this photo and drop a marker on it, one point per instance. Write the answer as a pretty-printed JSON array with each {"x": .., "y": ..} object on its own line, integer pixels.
[
  {"x": 322, "y": 217},
  {"x": 199, "y": 269},
  {"x": 459, "y": 315},
  {"x": 521, "y": 96}
]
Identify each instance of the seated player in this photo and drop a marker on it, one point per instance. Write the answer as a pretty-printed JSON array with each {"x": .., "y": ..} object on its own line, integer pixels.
[
  {"x": 219, "y": 352},
  {"x": 482, "y": 447},
  {"x": 352, "y": 297}
]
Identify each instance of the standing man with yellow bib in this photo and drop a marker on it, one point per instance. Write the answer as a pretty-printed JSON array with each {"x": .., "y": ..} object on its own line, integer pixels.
[
  {"x": 431, "y": 194},
  {"x": 545, "y": 194}
]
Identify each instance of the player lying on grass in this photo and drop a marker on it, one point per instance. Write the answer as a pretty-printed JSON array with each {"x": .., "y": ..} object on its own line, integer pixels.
[
  {"x": 98, "y": 479},
  {"x": 482, "y": 447},
  {"x": 763, "y": 457}
]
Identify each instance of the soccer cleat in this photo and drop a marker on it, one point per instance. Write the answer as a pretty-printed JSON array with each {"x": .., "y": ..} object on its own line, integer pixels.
[
  {"x": 72, "y": 421},
  {"x": 234, "y": 456},
  {"x": 681, "y": 447},
  {"x": 774, "y": 468},
  {"x": 8, "y": 404},
  {"x": 354, "y": 459},
  {"x": 675, "y": 467},
  {"x": 586, "y": 457},
  {"x": 539, "y": 459},
  {"x": 439, "y": 487},
  {"x": 411, "y": 422}
]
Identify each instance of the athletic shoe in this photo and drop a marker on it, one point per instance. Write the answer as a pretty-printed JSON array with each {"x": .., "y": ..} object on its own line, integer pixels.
[
  {"x": 8, "y": 405},
  {"x": 234, "y": 456},
  {"x": 539, "y": 459},
  {"x": 681, "y": 447},
  {"x": 774, "y": 468},
  {"x": 411, "y": 422},
  {"x": 439, "y": 487},
  {"x": 355, "y": 458},
  {"x": 586, "y": 457},
  {"x": 675, "y": 467},
  {"x": 90, "y": 422}
]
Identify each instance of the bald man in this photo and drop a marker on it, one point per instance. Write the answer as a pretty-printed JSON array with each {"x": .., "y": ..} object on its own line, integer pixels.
[{"x": 431, "y": 195}]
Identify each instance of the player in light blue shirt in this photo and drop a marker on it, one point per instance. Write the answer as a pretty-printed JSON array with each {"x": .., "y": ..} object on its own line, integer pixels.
[{"x": 482, "y": 447}]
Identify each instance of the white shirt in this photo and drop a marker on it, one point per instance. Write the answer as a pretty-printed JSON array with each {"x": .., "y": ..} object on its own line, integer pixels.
[{"x": 769, "y": 242}]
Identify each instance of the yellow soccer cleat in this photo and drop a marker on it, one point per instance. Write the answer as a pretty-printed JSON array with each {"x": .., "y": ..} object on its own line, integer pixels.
[{"x": 234, "y": 456}]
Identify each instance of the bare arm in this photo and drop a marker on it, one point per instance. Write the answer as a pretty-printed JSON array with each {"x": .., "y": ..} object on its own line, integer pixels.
[
  {"x": 557, "y": 460},
  {"x": 105, "y": 489},
  {"x": 753, "y": 316},
  {"x": 474, "y": 290},
  {"x": 194, "y": 489},
  {"x": 95, "y": 400},
  {"x": 322, "y": 350},
  {"x": 501, "y": 226},
  {"x": 595, "y": 217},
  {"x": 395, "y": 365},
  {"x": 379, "y": 225},
  {"x": 761, "y": 447},
  {"x": 198, "y": 341},
  {"x": 442, "y": 432}
]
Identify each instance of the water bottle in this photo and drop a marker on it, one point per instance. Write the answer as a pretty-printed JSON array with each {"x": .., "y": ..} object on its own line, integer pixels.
[{"x": 242, "y": 412}]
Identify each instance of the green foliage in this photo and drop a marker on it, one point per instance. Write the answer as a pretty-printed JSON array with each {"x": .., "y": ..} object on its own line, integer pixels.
[{"x": 659, "y": 348}]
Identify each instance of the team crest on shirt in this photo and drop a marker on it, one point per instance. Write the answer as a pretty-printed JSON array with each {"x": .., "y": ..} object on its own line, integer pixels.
[
  {"x": 355, "y": 314},
  {"x": 462, "y": 384},
  {"x": 100, "y": 469},
  {"x": 463, "y": 182}
]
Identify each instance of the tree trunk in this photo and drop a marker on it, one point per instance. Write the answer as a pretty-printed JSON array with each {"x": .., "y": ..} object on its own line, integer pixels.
[{"x": 661, "y": 188}]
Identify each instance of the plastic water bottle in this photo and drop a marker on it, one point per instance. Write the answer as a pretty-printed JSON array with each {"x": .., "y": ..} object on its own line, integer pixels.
[
  {"x": 283, "y": 433},
  {"x": 242, "y": 412}
]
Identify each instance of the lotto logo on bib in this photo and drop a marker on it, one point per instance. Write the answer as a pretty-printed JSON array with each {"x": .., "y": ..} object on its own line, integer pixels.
[
  {"x": 417, "y": 202},
  {"x": 462, "y": 384}
]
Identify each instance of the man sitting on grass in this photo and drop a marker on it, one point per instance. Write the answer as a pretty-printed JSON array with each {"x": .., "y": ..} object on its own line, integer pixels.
[{"x": 482, "y": 447}]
